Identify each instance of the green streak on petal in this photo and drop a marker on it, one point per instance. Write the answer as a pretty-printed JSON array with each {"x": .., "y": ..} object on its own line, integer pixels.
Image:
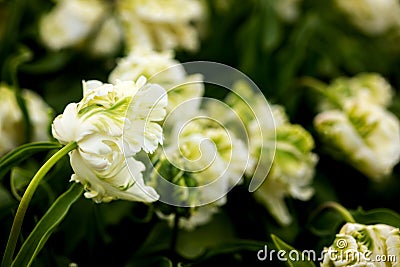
[{"x": 363, "y": 236}]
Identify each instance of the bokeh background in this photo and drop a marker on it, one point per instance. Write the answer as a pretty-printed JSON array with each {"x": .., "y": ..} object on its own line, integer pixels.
[{"x": 277, "y": 43}]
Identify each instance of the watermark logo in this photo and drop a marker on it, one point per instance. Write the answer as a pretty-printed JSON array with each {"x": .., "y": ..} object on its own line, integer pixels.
[
  {"x": 341, "y": 243},
  {"x": 266, "y": 254},
  {"x": 342, "y": 253},
  {"x": 189, "y": 113}
]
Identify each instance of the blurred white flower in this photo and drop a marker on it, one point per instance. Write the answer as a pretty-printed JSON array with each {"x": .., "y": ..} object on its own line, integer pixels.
[
  {"x": 102, "y": 25},
  {"x": 289, "y": 148},
  {"x": 161, "y": 68},
  {"x": 371, "y": 88},
  {"x": 288, "y": 10},
  {"x": 210, "y": 156},
  {"x": 70, "y": 22},
  {"x": 148, "y": 63},
  {"x": 367, "y": 87},
  {"x": 363, "y": 245},
  {"x": 292, "y": 171},
  {"x": 108, "y": 38},
  {"x": 11, "y": 119},
  {"x": 110, "y": 125},
  {"x": 368, "y": 16},
  {"x": 366, "y": 135},
  {"x": 160, "y": 25},
  {"x": 393, "y": 243}
]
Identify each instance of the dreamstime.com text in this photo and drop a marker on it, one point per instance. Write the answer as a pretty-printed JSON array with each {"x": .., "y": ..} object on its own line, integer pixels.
[{"x": 349, "y": 255}]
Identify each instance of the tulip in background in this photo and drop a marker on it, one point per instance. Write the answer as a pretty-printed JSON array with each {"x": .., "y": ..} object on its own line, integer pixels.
[
  {"x": 367, "y": 15},
  {"x": 355, "y": 124},
  {"x": 205, "y": 155},
  {"x": 70, "y": 22},
  {"x": 12, "y": 125},
  {"x": 290, "y": 146},
  {"x": 102, "y": 25},
  {"x": 160, "y": 26}
]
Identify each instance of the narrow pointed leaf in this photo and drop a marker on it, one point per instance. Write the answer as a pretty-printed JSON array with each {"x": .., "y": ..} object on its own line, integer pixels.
[
  {"x": 23, "y": 152},
  {"x": 40, "y": 234}
]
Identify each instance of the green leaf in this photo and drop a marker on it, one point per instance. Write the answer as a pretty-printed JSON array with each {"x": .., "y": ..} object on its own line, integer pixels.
[
  {"x": 38, "y": 237},
  {"x": 301, "y": 258},
  {"x": 385, "y": 216},
  {"x": 6, "y": 201},
  {"x": 23, "y": 152},
  {"x": 271, "y": 34},
  {"x": 19, "y": 180},
  {"x": 51, "y": 62}
]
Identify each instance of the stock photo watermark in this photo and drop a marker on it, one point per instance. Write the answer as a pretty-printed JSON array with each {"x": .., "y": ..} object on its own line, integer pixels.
[
  {"x": 342, "y": 254},
  {"x": 203, "y": 136}
]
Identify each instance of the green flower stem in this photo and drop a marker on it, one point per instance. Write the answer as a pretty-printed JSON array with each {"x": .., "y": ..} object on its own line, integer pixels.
[
  {"x": 340, "y": 209},
  {"x": 320, "y": 88},
  {"x": 26, "y": 198}
]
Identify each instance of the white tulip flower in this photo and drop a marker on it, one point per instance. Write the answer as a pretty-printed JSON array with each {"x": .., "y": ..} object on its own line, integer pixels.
[
  {"x": 108, "y": 38},
  {"x": 366, "y": 135},
  {"x": 293, "y": 162},
  {"x": 161, "y": 68},
  {"x": 292, "y": 171},
  {"x": 367, "y": 14},
  {"x": 369, "y": 88},
  {"x": 70, "y": 22},
  {"x": 110, "y": 125},
  {"x": 211, "y": 157},
  {"x": 393, "y": 243},
  {"x": 160, "y": 25}
]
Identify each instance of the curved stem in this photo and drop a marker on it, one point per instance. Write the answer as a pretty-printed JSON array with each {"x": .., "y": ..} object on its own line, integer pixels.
[
  {"x": 320, "y": 88},
  {"x": 26, "y": 198},
  {"x": 340, "y": 209}
]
